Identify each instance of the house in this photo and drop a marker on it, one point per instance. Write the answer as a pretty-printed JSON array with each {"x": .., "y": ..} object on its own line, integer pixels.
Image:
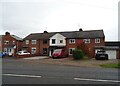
[
  {"x": 11, "y": 43},
  {"x": 45, "y": 43},
  {"x": 0, "y": 43},
  {"x": 112, "y": 48}
]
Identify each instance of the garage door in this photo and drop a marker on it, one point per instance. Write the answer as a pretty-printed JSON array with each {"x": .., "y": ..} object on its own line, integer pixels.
[{"x": 111, "y": 54}]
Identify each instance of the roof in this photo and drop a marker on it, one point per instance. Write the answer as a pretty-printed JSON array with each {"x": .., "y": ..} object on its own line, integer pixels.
[
  {"x": 17, "y": 38},
  {"x": 68, "y": 34},
  {"x": 112, "y": 43},
  {"x": 107, "y": 47}
]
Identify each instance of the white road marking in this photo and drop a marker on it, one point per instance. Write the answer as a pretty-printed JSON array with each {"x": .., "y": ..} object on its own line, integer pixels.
[
  {"x": 81, "y": 79},
  {"x": 19, "y": 75},
  {"x": 97, "y": 80}
]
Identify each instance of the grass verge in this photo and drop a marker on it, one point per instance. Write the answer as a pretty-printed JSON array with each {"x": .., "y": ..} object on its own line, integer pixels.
[{"x": 111, "y": 65}]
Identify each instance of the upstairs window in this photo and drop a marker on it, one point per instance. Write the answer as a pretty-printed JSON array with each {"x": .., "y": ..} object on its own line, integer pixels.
[
  {"x": 97, "y": 40},
  {"x": 13, "y": 42},
  {"x": 61, "y": 41},
  {"x": 87, "y": 40},
  {"x": 53, "y": 41},
  {"x": 27, "y": 41},
  {"x": 45, "y": 41},
  {"x": 6, "y": 42},
  {"x": 33, "y": 41},
  {"x": 71, "y": 41}
]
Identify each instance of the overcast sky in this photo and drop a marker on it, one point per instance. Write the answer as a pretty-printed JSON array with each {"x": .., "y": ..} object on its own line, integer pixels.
[{"x": 22, "y": 17}]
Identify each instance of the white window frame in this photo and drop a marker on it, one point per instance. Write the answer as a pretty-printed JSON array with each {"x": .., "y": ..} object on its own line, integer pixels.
[
  {"x": 52, "y": 41},
  {"x": 6, "y": 42},
  {"x": 72, "y": 50},
  {"x": 87, "y": 41},
  {"x": 33, "y": 41},
  {"x": 61, "y": 41},
  {"x": 71, "y": 41},
  {"x": 13, "y": 42},
  {"x": 97, "y": 40},
  {"x": 32, "y": 50},
  {"x": 26, "y": 41}
]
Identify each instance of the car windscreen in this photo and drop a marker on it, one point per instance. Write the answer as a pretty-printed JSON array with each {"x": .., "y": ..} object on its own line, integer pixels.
[{"x": 57, "y": 50}]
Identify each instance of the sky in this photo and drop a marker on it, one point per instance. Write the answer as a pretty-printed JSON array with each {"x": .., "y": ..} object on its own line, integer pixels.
[{"x": 22, "y": 17}]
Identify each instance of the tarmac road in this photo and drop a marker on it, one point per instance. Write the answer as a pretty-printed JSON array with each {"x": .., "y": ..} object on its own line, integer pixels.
[{"x": 23, "y": 72}]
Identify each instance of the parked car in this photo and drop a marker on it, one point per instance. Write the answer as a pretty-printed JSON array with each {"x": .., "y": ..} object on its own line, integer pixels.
[
  {"x": 2, "y": 54},
  {"x": 10, "y": 54},
  {"x": 101, "y": 55},
  {"x": 22, "y": 53},
  {"x": 59, "y": 53}
]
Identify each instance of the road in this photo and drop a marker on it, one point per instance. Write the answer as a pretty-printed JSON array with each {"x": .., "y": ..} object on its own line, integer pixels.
[{"x": 24, "y": 72}]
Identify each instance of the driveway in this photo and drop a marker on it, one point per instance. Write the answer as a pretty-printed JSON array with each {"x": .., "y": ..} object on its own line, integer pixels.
[{"x": 69, "y": 61}]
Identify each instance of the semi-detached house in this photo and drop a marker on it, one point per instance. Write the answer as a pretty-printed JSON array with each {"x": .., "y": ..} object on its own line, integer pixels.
[
  {"x": 11, "y": 43},
  {"x": 45, "y": 43}
]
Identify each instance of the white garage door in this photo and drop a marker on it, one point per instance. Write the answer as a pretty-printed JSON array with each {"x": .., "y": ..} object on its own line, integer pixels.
[{"x": 111, "y": 54}]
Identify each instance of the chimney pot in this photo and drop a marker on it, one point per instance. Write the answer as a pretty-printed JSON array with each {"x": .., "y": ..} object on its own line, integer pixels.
[
  {"x": 80, "y": 29},
  {"x": 7, "y": 33}
]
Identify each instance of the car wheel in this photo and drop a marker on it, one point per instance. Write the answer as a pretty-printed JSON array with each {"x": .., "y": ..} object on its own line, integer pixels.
[{"x": 53, "y": 57}]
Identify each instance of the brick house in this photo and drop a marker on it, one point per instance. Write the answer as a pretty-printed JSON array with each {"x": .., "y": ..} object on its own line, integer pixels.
[
  {"x": 44, "y": 43},
  {"x": 11, "y": 43}
]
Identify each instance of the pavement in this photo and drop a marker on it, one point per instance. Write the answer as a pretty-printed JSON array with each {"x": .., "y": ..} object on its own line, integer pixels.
[
  {"x": 37, "y": 57},
  {"x": 69, "y": 61}
]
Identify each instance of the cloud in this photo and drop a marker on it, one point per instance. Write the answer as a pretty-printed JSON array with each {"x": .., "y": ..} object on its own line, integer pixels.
[{"x": 23, "y": 17}]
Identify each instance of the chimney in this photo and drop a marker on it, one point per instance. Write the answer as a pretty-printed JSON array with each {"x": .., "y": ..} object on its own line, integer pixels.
[
  {"x": 45, "y": 31},
  {"x": 7, "y": 33},
  {"x": 80, "y": 29}
]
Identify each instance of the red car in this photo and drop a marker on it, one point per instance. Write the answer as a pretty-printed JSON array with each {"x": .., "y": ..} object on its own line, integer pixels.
[{"x": 59, "y": 53}]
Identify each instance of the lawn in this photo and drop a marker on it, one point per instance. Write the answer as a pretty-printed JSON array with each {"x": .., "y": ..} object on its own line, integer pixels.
[{"x": 111, "y": 65}]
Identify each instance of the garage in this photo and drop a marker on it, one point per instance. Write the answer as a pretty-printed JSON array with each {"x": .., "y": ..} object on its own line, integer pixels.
[{"x": 111, "y": 54}]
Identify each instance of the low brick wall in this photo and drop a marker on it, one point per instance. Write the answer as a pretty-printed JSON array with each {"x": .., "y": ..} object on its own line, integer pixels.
[
  {"x": 23, "y": 56},
  {"x": 27, "y": 55}
]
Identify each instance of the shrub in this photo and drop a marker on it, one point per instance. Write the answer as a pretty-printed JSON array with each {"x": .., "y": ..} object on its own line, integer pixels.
[{"x": 78, "y": 54}]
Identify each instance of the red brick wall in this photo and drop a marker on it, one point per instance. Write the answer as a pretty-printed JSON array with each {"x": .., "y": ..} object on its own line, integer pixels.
[
  {"x": 42, "y": 45},
  {"x": 30, "y": 46},
  {"x": 39, "y": 46},
  {"x": 89, "y": 48},
  {"x": 11, "y": 39}
]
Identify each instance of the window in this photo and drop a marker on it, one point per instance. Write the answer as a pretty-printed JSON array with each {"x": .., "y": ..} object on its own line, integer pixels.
[
  {"x": 71, "y": 41},
  {"x": 33, "y": 50},
  {"x": 97, "y": 40},
  {"x": 70, "y": 50},
  {"x": 87, "y": 40},
  {"x": 6, "y": 42},
  {"x": 53, "y": 41},
  {"x": 13, "y": 42},
  {"x": 33, "y": 41},
  {"x": 44, "y": 50},
  {"x": 61, "y": 41},
  {"x": 5, "y": 50},
  {"x": 45, "y": 41},
  {"x": 27, "y": 41}
]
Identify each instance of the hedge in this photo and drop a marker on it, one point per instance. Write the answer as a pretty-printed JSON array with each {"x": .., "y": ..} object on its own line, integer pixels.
[{"x": 78, "y": 54}]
